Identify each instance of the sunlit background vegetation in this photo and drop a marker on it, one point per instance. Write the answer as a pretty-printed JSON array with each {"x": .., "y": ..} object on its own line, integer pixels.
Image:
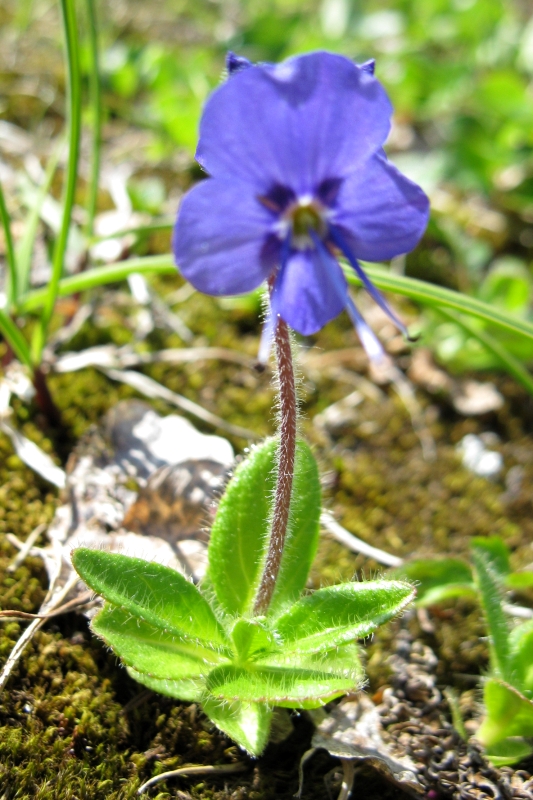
[{"x": 459, "y": 73}]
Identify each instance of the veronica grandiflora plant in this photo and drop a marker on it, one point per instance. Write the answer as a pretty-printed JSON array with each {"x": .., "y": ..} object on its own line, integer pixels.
[{"x": 288, "y": 192}]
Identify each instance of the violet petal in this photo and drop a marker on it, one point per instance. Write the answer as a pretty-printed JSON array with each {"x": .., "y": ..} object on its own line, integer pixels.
[
  {"x": 296, "y": 124},
  {"x": 382, "y": 213},
  {"x": 310, "y": 290},
  {"x": 221, "y": 239},
  {"x": 339, "y": 240}
]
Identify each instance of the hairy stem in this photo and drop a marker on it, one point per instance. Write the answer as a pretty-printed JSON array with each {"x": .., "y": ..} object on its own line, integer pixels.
[{"x": 286, "y": 454}]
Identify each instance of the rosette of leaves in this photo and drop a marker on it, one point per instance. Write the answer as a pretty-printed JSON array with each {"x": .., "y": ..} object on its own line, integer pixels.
[{"x": 204, "y": 644}]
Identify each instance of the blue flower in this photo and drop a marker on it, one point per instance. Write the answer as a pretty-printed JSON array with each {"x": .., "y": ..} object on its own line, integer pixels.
[{"x": 298, "y": 176}]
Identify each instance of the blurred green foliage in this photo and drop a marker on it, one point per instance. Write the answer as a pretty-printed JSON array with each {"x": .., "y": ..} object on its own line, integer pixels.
[{"x": 459, "y": 73}]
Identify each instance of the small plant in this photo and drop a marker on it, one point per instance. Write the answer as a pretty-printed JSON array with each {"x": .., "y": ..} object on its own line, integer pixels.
[
  {"x": 249, "y": 638},
  {"x": 508, "y": 687},
  {"x": 220, "y": 644}
]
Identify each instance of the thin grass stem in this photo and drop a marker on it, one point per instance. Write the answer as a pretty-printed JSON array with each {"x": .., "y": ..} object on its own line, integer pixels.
[
  {"x": 99, "y": 276},
  {"x": 436, "y": 296},
  {"x": 419, "y": 291},
  {"x": 96, "y": 109},
  {"x": 27, "y": 243},
  {"x": 15, "y": 339},
  {"x": 12, "y": 286},
  {"x": 74, "y": 131}
]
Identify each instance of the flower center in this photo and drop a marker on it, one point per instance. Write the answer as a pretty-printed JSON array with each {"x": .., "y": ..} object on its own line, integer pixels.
[{"x": 305, "y": 217}]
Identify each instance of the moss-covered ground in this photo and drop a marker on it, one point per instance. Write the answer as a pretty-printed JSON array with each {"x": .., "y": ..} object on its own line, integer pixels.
[{"x": 72, "y": 723}]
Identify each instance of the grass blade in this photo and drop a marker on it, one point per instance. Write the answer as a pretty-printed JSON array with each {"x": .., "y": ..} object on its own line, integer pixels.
[
  {"x": 27, "y": 243},
  {"x": 12, "y": 291},
  {"x": 99, "y": 276},
  {"x": 96, "y": 109},
  {"x": 437, "y": 296},
  {"x": 15, "y": 339},
  {"x": 74, "y": 132}
]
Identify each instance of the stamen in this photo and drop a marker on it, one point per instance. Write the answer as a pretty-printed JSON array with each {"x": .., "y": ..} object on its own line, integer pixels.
[
  {"x": 369, "y": 340},
  {"x": 306, "y": 218},
  {"x": 338, "y": 239}
]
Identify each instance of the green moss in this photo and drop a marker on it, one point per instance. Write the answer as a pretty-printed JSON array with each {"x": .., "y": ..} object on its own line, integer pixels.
[{"x": 62, "y": 719}]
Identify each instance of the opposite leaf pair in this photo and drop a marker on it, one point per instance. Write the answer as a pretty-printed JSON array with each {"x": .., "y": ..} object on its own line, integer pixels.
[{"x": 204, "y": 644}]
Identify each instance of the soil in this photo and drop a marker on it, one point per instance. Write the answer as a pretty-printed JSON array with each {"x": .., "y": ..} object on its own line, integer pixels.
[{"x": 74, "y": 725}]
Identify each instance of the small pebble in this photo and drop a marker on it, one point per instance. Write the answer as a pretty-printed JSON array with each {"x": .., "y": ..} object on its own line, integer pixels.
[{"x": 478, "y": 458}]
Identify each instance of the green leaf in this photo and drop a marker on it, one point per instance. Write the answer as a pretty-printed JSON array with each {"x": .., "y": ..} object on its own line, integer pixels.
[
  {"x": 496, "y": 550},
  {"x": 344, "y": 660},
  {"x": 508, "y": 713},
  {"x": 521, "y": 655},
  {"x": 150, "y": 591},
  {"x": 519, "y": 580},
  {"x": 151, "y": 650},
  {"x": 293, "y": 688},
  {"x": 239, "y": 536},
  {"x": 439, "y": 579},
  {"x": 490, "y": 587},
  {"x": 240, "y": 532},
  {"x": 510, "y": 751},
  {"x": 191, "y": 689},
  {"x": 247, "y": 723},
  {"x": 338, "y": 614},
  {"x": 252, "y": 640},
  {"x": 302, "y": 534}
]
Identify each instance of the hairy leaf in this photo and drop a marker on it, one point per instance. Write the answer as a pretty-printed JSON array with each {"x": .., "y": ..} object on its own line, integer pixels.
[
  {"x": 151, "y": 650},
  {"x": 496, "y": 551},
  {"x": 252, "y": 640},
  {"x": 338, "y": 614},
  {"x": 191, "y": 689},
  {"x": 509, "y": 751},
  {"x": 519, "y": 580},
  {"x": 508, "y": 713},
  {"x": 344, "y": 660},
  {"x": 490, "y": 587},
  {"x": 240, "y": 533},
  {"x": 439, "y": 579},
  {"x": 239, "y": 536},
  {"x": 521, "y": 655},
  {"x": 150, "y": 591},
  {"x": 278, "y": 686},
  {"x": 247, "y": 723}
]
